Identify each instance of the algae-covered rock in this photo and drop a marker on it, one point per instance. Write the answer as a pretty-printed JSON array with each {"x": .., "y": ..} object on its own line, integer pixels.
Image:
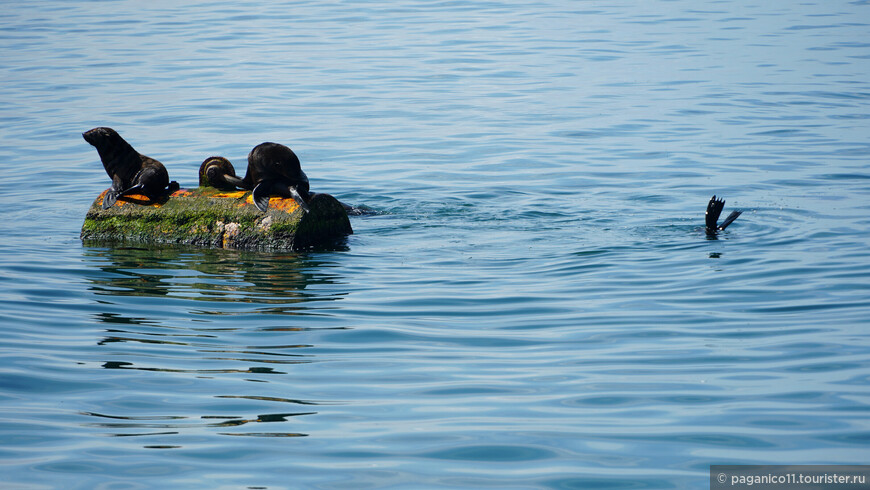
[{"x": 209, "y": 217}]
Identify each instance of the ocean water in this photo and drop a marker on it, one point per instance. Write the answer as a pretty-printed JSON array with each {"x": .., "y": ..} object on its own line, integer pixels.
[{"x": 533, "y": 302}]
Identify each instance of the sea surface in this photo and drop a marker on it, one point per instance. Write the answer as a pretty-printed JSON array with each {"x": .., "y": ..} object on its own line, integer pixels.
[{"x": 532, "y": 301}]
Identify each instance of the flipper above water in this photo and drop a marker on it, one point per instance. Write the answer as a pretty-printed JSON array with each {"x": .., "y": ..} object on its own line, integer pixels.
[
  {"x": 714, "y": 209},
  {"x": 711, "y": 217},
  {"x": 730, "y": 219}
]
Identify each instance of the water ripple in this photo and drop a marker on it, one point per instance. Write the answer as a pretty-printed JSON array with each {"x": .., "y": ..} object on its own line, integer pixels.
[{"x": 533, "y": 301}]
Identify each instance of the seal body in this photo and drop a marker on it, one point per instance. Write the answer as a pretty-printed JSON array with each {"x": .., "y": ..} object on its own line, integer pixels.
[
  {"x": 218, "y": 172},
  {"x": 274, "y": 169},
  {"x": 130, "y": 171}
]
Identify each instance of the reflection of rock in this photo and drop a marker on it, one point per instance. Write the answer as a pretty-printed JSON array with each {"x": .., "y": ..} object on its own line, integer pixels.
[
  {"x": 278, "y": 280},
  {"x": 209, "y": 217},
  {"x": 130, "y": 365},
  {"x": 125, "y": 424},
  {"x": 153, "y": 323}
]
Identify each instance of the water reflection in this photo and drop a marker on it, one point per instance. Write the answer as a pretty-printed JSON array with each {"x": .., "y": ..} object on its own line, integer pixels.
[
  {"x": 153, "y": 321},
  {"x": 157, "y": 425},
  {"x": 253, "y": 370},
  {"x": 211, "y": 275}
]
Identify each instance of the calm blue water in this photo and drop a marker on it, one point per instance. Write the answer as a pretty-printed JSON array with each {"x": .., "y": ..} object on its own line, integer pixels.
[{"x": 534, "y": 303}]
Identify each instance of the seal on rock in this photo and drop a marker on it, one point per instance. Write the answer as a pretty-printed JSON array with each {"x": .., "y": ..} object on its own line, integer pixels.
[
  {"x": 714, "y": 209},
  {"x": 274, "y": 169},
  {"x": 130, "y": 171},
  {"x": 218, "y": 172}
]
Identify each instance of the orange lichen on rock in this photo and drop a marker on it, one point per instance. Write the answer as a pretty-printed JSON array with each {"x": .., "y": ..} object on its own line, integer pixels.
[
  {"x": 288, "y": 205},
  {"x": 136, "y": 197},
  {"x": 234, "y": 195}
]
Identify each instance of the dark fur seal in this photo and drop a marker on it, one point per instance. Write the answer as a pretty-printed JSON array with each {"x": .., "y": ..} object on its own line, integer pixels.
[
  {"x": 274, "y": 169},
  {"x": 218, "y": 172},
  {"x": 130, "y": 171},
  {"x": 714, "y": 209}
]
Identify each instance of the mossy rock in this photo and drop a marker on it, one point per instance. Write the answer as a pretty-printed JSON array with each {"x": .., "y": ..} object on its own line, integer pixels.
[{"x": 212, "y": 218}]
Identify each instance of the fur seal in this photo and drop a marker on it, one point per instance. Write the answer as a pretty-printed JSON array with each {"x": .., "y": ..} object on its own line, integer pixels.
[
  {"x": 130, "y": 171},
  {"x": 714, "y": 209},
  {"x": 218, "y": 172},
  {"x": 274, "y": 169}
]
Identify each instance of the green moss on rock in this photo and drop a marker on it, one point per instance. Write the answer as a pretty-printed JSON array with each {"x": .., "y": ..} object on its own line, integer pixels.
[{"x": 211, "y": 218}]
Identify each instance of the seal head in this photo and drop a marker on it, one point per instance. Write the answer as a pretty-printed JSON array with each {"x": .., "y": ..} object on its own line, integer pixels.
[
  {"x": 130, "y": 171},
  {"x": 274, "y": 169}
]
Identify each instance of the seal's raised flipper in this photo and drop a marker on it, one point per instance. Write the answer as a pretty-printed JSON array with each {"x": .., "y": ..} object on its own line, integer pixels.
[
  {"x": 714, "y": 209},
  {"x": 730, "y": 219},
  {"x": 260, "y": 195}
]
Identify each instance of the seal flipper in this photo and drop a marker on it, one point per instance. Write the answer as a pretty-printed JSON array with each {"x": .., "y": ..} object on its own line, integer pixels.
[
  {"x": 299, "y": 199},
  {"x": 232, "y": 179},
  {"x": 714, "y": 209},
  {"x": 138, "y": 188},
  {"x": 113, "y": 193},
  {"x": 292, "y": 191},
  {"x": 217, "y": 177},
  {"x": 730, "y": 219},
  {"x": 110, "y": 198},
  {"x": 260, "y": 195}
]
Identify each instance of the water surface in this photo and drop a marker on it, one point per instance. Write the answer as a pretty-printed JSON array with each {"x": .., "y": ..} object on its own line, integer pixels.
[{"x": 534, "y": 302}]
